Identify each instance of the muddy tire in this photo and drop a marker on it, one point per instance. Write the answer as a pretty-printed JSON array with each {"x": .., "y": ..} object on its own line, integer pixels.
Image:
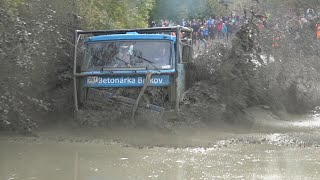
[
  {"x": 191, "y": 74},
  {"x": 81, "y": 91}
]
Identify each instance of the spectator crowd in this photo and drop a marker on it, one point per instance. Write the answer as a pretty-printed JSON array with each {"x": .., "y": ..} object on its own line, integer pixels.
[
  {"x": 206, "y": 29},
  {"x": 210, "y": 28},
  {"x": 224, "y": 27}
]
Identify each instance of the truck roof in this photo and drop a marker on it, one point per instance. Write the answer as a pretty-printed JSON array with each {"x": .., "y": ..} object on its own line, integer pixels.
[{"x": 130, "y": 36}]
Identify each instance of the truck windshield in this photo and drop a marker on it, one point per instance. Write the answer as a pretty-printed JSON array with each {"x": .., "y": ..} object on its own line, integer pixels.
[{"x": 128, "y": 54}]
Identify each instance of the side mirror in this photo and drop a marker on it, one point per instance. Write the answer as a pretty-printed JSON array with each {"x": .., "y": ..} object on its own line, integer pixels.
[{"x": 186, "y": 54}]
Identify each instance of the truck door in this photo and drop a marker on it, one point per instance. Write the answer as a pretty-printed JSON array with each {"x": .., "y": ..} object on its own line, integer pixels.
[
  {"x": 188, "y": 66},
  {"x": 185, "y": 68}
]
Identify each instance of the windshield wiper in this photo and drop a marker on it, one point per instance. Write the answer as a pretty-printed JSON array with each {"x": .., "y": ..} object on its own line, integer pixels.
[
  {"x": 128, "y": 64},
  {"x": 148, "y": 61}
]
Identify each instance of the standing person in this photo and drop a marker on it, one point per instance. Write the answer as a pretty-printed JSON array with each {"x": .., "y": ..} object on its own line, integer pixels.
[
  {"x": 219, "y": 29},
  {"x": 202, "y": 38},
  {"x": 161, "y": 23},
  {"x": 195, "y": 26},
  {"x": 276, "y": 37},
  {"x": 230, "y": 29},
  {"x": 212, "y": 32},
  {"x": 211, "y": 27},
  {"x": 210, "y": 22},
  {"x": 206, "y": 31},
  {"x": 317, "y": 28},
  {"x": 224, "y": 30},
  {"x": 188, "y": 24},
  {"x": 153, "y": 24},
  {"x": 184, "y": 22}
]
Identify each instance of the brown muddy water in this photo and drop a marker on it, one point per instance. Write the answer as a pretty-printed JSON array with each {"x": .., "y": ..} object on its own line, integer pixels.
[
  {"x": 93, "y": 162},
  {"x": 288, "y": 151}
]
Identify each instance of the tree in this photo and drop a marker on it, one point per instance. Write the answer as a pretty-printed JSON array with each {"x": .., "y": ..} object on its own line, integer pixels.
[
  {"x": 106, "y": 14},
  {"x": 179, "y": 9}
]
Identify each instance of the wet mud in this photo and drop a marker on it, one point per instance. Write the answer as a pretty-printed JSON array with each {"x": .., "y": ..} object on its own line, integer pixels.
[
  {"x": 116, "y": 162},
  {"x": 217, "y": 152},
  {"x": 270, "y": 148}
]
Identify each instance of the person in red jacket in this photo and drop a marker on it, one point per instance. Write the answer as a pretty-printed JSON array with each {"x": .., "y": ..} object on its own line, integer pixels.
[
  {"x": 219, "y": 29},
  {"x": 276, "y": 37},
  {"x": 317, "y": 30}
]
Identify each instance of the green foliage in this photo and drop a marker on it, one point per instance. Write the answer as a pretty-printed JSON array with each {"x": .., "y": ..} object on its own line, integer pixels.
[
  {"x": 296, "y": 4},
  {"x": 178, "y": 9},
  {"x": 107, "y": 14},
  {"x": 276, "y": 9},
  {"x": 215, "y": 7},
  {"x": 11, "y": 5}
]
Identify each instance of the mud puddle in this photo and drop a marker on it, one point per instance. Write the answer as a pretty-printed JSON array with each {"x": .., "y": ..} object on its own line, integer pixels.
[
  {"x": 267, "y": 149},
  {"x": 112, "y": 161}
]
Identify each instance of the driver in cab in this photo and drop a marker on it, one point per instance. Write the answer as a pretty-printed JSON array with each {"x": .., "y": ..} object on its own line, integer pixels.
[{"x": 161, "y": 55}]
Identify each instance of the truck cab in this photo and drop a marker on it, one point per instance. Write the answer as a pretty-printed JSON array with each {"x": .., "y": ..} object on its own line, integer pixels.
[{"x": 132, "y": 58}]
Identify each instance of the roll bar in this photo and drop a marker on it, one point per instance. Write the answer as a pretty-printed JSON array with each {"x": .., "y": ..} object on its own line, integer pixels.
[{"x": 139, "y": 30}]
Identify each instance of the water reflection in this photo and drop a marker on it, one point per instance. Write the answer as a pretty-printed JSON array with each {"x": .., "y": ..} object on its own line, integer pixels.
[{"x": 97, "y": 162}]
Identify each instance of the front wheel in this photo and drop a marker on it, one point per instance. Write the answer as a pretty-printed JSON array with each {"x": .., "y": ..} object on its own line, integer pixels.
[{"x": 82, "y": 92}]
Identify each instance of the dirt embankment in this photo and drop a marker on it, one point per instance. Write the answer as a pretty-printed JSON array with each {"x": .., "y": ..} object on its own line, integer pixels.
[{"x": 35, "y": 68}]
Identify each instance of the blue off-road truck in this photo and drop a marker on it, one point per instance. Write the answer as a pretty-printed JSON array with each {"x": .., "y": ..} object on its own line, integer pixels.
[{"x": 146, "y": 68}]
